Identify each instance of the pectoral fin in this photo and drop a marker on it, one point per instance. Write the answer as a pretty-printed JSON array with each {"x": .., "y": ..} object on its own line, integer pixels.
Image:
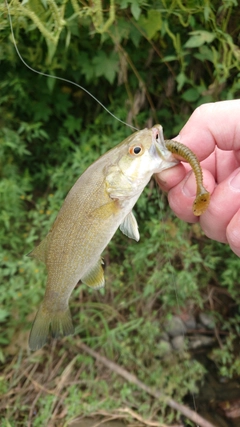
[
  {"x": 105, "y": 211},
  {"x": 95, "y": 276},
  {"x": 129, "y": 227}
]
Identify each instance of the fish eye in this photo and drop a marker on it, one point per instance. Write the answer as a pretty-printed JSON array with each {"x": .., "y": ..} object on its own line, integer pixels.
[{"x": 136, "y": 150}]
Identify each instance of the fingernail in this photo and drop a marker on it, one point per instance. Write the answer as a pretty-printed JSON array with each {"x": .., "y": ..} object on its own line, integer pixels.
[
  {"x": 235, "y": 182},
  {"x": 189, "y": 188}
]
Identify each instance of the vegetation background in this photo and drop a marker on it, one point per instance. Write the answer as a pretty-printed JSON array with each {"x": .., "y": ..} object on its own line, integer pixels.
[{"x": 148, "y": 62}]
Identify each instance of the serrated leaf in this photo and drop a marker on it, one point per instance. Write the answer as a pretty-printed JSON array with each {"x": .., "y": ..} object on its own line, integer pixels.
[
  {"x": 106, "y": 66},
  {"x": 198, "y": 38},
  {"x": 152, "y": 23},
  {"x": 72, "y": 124},
  {"x": 121, "y": 30}
]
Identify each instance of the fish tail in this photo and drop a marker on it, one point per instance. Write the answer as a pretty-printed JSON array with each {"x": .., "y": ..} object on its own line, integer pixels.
[{"x": 59, "y": 323}]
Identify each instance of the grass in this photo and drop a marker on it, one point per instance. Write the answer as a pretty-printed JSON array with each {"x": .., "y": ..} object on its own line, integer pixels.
[{"x": 123, "y": 322}]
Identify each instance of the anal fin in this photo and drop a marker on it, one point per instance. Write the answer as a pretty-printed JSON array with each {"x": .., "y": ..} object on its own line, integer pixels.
[{"x": 95, "y": 276}]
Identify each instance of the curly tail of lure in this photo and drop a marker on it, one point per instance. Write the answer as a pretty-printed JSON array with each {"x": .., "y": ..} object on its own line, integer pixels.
[{"x": 202, "y": 199}]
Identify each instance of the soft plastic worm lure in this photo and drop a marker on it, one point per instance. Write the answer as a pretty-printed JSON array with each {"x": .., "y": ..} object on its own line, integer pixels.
[{"x": 202, "y": 199}]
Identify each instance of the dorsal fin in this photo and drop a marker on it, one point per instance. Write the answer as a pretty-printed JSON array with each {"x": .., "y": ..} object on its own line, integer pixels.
[{"x": 40, "y": 251}]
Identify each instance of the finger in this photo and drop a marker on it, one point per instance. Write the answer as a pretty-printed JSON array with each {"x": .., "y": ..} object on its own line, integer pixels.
[
  {"x": 233, "y": 233},
  {"x": 182, "y": 196},
  {"x": 224, "y": 204},
  {"x": 210, "y": 163},
  {"x": 170, "y": 177},
  {"x": 212, "y": 124},
  {"x": 226, "y": 163}
]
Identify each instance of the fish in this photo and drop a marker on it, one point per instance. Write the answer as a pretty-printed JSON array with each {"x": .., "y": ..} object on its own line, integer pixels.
[{"x": 100, "y": 202}]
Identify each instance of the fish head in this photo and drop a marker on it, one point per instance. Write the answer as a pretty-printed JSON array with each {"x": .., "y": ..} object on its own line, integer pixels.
[{"x": 145, "y": 155}]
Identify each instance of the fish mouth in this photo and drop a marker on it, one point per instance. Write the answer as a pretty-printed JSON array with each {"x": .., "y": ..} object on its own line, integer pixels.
[{"x": 158, "y": 149}]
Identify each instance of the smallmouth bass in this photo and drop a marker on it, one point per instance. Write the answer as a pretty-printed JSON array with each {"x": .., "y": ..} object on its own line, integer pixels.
[{"x": 99, "y": 202}]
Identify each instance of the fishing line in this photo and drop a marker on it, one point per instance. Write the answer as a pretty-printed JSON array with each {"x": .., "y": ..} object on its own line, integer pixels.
[{"x": 61, "y": 78}]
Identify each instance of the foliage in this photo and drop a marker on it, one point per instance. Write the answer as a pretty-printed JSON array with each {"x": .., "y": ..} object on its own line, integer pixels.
[
  {"x": 147, "y": 62},
  {"x": 226, "y": 357}
]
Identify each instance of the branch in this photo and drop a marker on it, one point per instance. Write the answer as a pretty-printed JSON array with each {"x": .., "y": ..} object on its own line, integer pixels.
[{"x": 187, "y": 412}]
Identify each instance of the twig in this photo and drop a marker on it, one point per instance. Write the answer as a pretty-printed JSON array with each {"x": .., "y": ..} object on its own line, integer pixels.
[
  {"x": 142, "y": 420},
  {"x": 187, "y": 412},
  {"x": 53, "y": 370},
  {"x": 40, "y": 387},
  {"x": 58, "y": 390},
  {"x": 32, "y": 408}
]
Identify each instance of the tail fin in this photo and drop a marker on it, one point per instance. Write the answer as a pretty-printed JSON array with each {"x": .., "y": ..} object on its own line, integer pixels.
[{"x": 60, "y": 323}]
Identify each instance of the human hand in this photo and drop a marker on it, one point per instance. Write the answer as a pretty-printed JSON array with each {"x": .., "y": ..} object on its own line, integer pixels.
[{"x": 213, "y": 134}]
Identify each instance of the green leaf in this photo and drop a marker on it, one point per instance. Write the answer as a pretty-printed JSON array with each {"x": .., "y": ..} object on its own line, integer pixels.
[
  {"x": 51, "y": 82},
  {"x": 204, "y": 54},
  {"x": 206, "y": 11},
  {"x": 106, "y": 66},
  {"x": 169, "y": 58},
  {"x": 123, "y": 4},
  {"x": 181, "y": 79},
  {"x": 135, "y": 9},
  {"x": 3, "y": 314},
  {"x": 135, "y": 35},
  {"x": 86, "y": 66},
  {"x": 190, "y": 95},
  {"x": 121, "y": 30},
  {"x": 72, "y": 124},
  {"x": 44, "y": 3},
  {"x": 198, "y": 38},
  {"x": 152, "y": 23}
]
